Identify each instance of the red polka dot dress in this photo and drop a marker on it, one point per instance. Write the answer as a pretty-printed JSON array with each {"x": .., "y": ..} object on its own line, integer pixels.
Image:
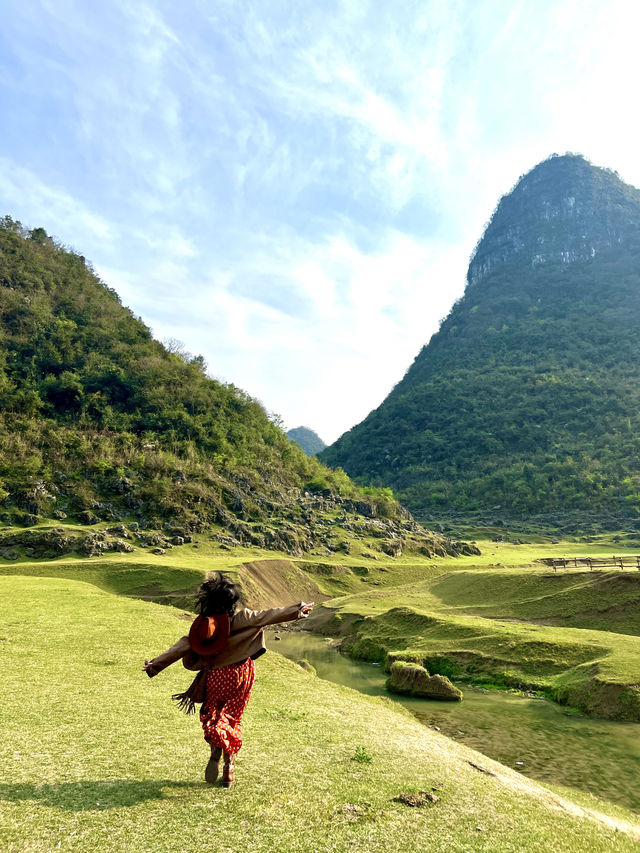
[{"x": 227, "y": 696}]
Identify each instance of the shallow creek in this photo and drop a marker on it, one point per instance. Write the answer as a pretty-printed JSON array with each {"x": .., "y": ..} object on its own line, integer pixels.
[{"x": 537, "y": 737}]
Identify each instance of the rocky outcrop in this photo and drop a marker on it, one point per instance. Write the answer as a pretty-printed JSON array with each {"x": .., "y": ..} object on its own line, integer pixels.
[
  {"x": 557, "y": 212},
  {"x": 414, "y": 680},
  {"x": 393, "y": 547},
  {"x": 49, "y": 543}
]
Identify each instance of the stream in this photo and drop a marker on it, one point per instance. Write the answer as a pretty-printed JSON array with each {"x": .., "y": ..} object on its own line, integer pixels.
[{"x": 539, "y": 738}]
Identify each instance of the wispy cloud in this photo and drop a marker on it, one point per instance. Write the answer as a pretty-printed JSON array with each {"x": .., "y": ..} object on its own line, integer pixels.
[
  {"x": 294, "y": 189},
  {"x": 21, "y": 190}
]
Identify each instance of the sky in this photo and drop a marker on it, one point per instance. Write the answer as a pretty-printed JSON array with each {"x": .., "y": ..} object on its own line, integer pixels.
[{"x": 293, "y": 189}]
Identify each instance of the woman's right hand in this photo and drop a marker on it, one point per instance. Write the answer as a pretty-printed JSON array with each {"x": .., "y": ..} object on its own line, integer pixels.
[{"x": 305, "y": 609}]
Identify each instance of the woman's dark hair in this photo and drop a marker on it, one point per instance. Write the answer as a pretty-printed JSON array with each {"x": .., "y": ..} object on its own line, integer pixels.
[{"x": 218, "y": 594}]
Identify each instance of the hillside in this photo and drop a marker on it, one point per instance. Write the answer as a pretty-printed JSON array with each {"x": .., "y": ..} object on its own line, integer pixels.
[
  {"x": 527, "y": 400},
  {"x": 308, "y": 440},
  {"x": 100, "y": 423}
]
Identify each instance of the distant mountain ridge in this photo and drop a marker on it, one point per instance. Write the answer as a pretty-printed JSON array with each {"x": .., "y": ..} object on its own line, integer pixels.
[
  {"x": 528, "y": 397},
  {"x": 308, "y": 440}
]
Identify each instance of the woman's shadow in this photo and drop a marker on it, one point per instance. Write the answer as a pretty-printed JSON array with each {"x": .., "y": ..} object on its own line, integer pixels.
[{"x": 95, "y": 796}]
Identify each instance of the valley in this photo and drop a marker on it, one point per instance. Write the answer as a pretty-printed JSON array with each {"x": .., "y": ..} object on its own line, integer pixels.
[{"x": 501, "y": 622}]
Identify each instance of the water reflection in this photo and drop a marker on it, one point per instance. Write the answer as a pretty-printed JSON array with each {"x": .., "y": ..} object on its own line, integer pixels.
[{"x": 539, "y": 738}]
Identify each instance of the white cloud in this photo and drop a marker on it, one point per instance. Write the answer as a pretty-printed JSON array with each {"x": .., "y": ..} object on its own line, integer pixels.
[
  {"x": 294, "y": 190},
  {"x": 25, "y": 195}
]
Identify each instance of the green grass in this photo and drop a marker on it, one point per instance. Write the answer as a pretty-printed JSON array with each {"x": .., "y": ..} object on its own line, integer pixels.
[
  {"x": 574, "y": 634},
  {"x": 498, "y": 618},
  {"x": 95, "y": 757}
]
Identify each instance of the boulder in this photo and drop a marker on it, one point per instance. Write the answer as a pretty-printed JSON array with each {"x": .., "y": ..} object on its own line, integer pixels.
[
  {"x": 8, "y": 554},
  {"x": 87, "y": 517},
  {"x": 393, "y": 547},
  {"x": 414, "y": 680},
  {"x": 94, "y": 543}
]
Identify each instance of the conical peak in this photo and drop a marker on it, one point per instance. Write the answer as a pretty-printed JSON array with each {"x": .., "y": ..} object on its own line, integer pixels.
[{"x": 564, "y": 210}]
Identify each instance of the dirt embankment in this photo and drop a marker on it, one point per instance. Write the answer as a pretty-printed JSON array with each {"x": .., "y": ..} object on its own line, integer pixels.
[{"x": 276, "y": 583}]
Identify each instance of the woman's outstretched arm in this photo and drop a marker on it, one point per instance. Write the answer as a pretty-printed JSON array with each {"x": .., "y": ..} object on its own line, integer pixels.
[
  {"x": 178, "y": 650},
  {"x": 260, "y": 618}
]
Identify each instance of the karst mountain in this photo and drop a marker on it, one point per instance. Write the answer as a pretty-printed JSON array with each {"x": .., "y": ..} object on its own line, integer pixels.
[{"x": 527, "y": 399}]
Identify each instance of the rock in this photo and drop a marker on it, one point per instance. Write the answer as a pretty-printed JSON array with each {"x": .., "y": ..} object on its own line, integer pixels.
[
  {"x": 361, "y": 508},
  {"x": 88, "y": 517},
  {"x": 8, "y": 554},
  {"x": 414, "y": 680},
  {"x": 122, "y": 485},
  {"x": 393, "y": 547},
  {"x": 41, "y": 544},
  {"x": 422, "y": 798},
  {"x": 93, "y": 544},
  {"x": 158, "y": 551},
  {"x": 178, "y": 540},
  {"x": 106, "y": 511},
  {"x": 59, "y": 514}
]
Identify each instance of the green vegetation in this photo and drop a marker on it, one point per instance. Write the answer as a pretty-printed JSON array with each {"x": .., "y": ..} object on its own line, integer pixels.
[
  {"x": 362, "y": 755},
  {"x": 308, "y": 440},
  {"x": 97, "y": 758},
  {"x": 512, "y": 627},
  {"x": 99, "y": 422},
  {"x": 527, "y": 400}
]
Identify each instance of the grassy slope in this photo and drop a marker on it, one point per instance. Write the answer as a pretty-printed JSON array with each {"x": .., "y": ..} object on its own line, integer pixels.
[
  {"x": 467, "y": 610},
  {"x": 477, "y": 614},
  {"x": 94, "y": 756}
]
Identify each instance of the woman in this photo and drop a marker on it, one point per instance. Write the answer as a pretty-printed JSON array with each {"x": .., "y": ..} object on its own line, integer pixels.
[{"x": 223, "y": 643}]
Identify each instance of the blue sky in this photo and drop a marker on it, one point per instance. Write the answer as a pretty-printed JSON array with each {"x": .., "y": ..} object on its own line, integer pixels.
[{"x": 293, "y": 189}]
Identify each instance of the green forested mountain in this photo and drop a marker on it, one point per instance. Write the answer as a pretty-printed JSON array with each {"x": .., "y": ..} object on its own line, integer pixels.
[
  {"x": 98, "y": 421},
  {"x": 308, "y": 440},
  {"x": 528, "y": 397}
]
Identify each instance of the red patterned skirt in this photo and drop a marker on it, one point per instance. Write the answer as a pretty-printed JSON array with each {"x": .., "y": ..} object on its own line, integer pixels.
[{"x": 227, "y": 695}]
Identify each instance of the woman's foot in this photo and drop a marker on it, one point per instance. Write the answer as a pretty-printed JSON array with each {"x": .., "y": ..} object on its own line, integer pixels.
[
  {"x": 228, "y": 775},
  {"x": 212, "y": 768}
]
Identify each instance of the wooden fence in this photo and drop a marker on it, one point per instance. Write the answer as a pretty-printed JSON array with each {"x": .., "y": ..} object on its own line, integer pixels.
[{"x": 593, "y": 562}]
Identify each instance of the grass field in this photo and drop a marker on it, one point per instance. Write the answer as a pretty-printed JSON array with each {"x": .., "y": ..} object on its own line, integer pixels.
[
  {"x": 501, "y": 617},
  {"x": 95, "y": 757}
]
